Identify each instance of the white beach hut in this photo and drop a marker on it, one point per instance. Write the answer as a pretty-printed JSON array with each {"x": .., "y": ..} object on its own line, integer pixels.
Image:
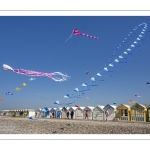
[
  {"x": 98, "y": 113},
  {"x": 31, "y": 112},
  {"x": 39, "y": 113},
  {"x": 89, "y": 109},
  {"x": 64, "y": 111},
  {"x": 74, "y": 110},
  {"x": 53, "y": 110},
  {"x": 2, "y": 112},
  {"x": 111, "y": 110},
  {"x": 79, "y": 113}
]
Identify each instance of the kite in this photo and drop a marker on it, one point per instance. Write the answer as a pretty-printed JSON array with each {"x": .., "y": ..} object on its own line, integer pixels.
[
  {"x": 137, "y": 96},
  {"x": 53, "y": 75},
  {"x": 56, "y": 102},
  {"x": 24, "y": 84},
  {"x": 130, "y": 48},
  {"x": 31, "y": 79},
  {"x": 147, "y": 82},
  {"x": 77, "y": 32},
  {"x": 9, "y": 93},
  {"x": 46, "y": 109},
  {"x": 17, "y": 89},
  {"x": 87, "y": 72},
  {"x": 1, "y": 98}
]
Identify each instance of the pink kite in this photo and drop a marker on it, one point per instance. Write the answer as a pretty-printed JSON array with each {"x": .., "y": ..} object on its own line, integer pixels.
[
  {"x": 77, "y": 32},
  {"x": 54, "y": 75}
]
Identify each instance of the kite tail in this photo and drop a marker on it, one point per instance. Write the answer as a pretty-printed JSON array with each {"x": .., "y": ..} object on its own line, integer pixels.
[{"x": 54, "y": 76}]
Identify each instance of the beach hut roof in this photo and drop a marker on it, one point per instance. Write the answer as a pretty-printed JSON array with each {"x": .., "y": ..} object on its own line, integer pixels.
[
  {"x": 100, "y": 106},
  {"x": 74, "y": 108},
  {"x": 113, "y": 106},
  {"x": 31, "y": 110},
  {"x": 138, "y": 104},
  {"x": 90, "y": 107},
  {"x": 59, "y": 108},
  {"x": 124, "y": 105},
  {"x": 81, "y": 107},
  {"x": 67, "y": 108}
]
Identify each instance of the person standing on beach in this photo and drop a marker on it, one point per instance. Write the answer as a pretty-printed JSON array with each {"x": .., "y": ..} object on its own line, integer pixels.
[
  {"x": 72, "y": 113},
  {"x": 86, "y": 114},
  {"x": 53, "y": 114},
  {"x": 106, "y": 113},
  {"x": 68, "y": 114},
  {"x": 58, "y": 114}
]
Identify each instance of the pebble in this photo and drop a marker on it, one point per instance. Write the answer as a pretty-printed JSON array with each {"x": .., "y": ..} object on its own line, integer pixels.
[{"x": 9, "y": 125}]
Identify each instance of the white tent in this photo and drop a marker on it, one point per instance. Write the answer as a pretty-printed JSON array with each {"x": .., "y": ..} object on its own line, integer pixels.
[
  {"x": 79, "y": 113},
  {"x": 90, "y": 112},
  {"x": 98, "y": 113}
]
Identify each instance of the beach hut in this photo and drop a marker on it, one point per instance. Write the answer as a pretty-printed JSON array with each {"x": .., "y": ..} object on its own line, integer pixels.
[
  {"x": 148, "y": 113},
  {"x": 30, "y": 113},
  {"x": 64, "y": 111},
  {"x": 53, "y": 110},
  {"x": 2, "y": 112},
  {"x": 46, "y": 112},
  {"x": 10, "y": 113},
  {"x": 123, "y": 113},
  {"x": 72, "y": 109},
  {"x": 98, "y": 113},
  {"x": 17, "y": 113},
  {"x": 111, "y": 110},
  {"x": 39, "y": 113},
  {"x": 89, "y": 109},
  {"x": 138, "y": 112},
  {"x": 59, "y": 110},
  {"x": 79, "y": 113},
  {"x": 25, "y": 113}
]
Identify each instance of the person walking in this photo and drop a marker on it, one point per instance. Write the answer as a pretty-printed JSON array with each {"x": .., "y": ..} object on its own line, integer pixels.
[
  {"x": 86, "y": 114},
  {"x": 72, "y": 113},
  {"x": 106, "y": 113}
]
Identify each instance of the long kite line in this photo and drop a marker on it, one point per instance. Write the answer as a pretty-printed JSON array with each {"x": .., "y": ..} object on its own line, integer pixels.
[
  {"x": 121, "y": 59},
  {"x": 75, "y": 32}
]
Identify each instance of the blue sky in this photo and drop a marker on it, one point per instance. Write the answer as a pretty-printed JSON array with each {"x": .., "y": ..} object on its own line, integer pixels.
[{"x": 33, "y": 43}]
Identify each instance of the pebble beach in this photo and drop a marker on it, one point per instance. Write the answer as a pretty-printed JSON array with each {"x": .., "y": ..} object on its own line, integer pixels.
[{"x": 11, "y": 125}]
